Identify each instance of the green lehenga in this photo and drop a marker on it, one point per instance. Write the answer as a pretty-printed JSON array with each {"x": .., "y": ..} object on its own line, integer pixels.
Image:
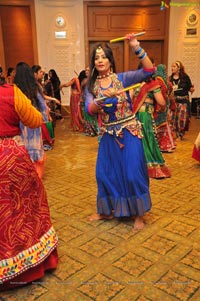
[
  {"x": 144, "y": 110},
  {"x": 155, "y": 161}
]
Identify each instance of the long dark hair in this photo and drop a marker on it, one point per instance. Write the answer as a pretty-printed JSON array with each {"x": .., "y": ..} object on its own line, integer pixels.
[
  {"x": 54, "y": 78},
  {"x": 10, "y": 70},
  {"x": 25, "y": 80},
  {"x": 94, "y": 73},
  {"x": 81, "y": 76},
  {"x": 35, "y": 69},
  {"x": 2, "y": 78}
]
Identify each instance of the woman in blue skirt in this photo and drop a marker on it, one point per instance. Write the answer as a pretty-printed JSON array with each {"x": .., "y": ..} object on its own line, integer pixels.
[{"x": 121, "y": 169}]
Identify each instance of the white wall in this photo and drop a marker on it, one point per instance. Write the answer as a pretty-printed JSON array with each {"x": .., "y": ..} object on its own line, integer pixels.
[
  {"x": 183, "y": 47},
  {"x": 68, "y": 55}
]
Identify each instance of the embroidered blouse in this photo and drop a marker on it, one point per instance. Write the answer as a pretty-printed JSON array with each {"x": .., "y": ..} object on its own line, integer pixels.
[{"x": 118, "y": 112}]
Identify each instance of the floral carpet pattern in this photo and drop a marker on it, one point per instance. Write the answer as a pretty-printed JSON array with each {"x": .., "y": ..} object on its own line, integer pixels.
[{"x": 108, "y": 260}]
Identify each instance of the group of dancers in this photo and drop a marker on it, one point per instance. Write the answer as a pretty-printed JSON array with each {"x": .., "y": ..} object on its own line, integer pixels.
[{"x": 137, "y": 115}]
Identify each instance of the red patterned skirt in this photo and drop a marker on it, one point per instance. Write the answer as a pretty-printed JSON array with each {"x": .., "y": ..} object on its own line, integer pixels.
[{"x": 28, "y": 240}]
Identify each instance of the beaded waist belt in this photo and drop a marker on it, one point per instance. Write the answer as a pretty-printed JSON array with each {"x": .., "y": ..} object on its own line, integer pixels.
[
  {"x": 119, "y": 121},
  {"x": 115, "y": 128}
]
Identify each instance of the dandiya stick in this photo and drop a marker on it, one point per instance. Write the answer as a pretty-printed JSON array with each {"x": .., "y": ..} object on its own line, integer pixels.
[
  {"x": 119, "y": 92},
  {"x": 130, "y": 87},
  {"x": 125, "y": 38}
]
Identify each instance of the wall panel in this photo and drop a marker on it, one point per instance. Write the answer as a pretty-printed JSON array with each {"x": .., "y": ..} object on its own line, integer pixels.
[
  {"x": 107, "y": 20},
  {"x": 18, "y": 32}
]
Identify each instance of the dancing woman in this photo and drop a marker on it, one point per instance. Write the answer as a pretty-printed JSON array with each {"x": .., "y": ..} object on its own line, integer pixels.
[
  {"x": 28, "y": 239},
  {"x": 182, "y": 85},
  {"x": 121, "y": 170},
  {"x": 32, "y": 138},
  {"x": 165, "y": 130},
  {"x": 90, "y": 122},
  {"x": 76, "y": 122},
  {"x": 145, "y": 100}
]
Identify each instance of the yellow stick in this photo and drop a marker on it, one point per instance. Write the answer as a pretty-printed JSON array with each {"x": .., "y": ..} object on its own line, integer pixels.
[
  {"x": 130, "y": 87},
  {"x": 119, "y": 92},
  {"x": 125, "y": 38},
  {"x": 117, "y": 39}
]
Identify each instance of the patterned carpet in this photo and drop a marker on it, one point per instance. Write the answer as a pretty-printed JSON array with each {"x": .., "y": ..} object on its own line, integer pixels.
[{"x": 107, "y": 260}]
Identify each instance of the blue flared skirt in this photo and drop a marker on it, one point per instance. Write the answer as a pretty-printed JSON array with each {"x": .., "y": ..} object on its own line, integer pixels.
[{"x": 122, "y": 177}]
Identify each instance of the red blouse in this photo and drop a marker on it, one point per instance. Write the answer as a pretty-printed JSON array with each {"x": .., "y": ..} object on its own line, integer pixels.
[{"x": 16, "y": 107}]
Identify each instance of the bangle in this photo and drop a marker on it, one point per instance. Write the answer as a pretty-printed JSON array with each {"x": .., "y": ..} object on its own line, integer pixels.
[
  {"x": 141, "y": 57},
  {"x": 156, "y": 90},
  {"x": 138, "y": 51},
  {"x": 141, "y": 53}
]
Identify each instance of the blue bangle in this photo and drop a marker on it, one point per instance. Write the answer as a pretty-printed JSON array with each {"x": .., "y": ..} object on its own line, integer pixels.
[
  {"x": 138, "y": 51},
  {"x": 143, "y": 56}
]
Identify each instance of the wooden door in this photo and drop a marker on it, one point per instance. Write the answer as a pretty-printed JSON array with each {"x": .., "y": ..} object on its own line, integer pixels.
[
  {"x": 18, "y": 34},
  {"x": 106, "y": 20},
  {"x": 154, "y": 50}
]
